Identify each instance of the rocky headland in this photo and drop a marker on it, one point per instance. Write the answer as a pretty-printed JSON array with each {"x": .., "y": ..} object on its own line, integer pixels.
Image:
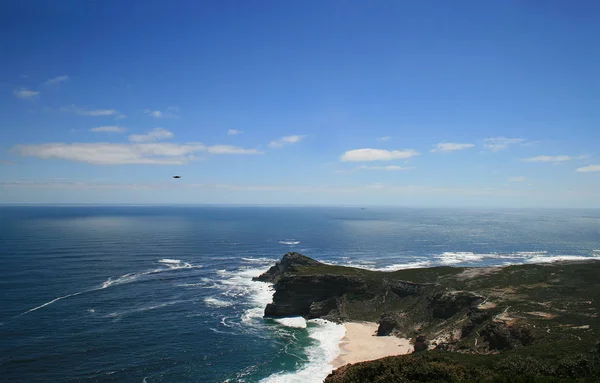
[{"x": 527, "y": 323}]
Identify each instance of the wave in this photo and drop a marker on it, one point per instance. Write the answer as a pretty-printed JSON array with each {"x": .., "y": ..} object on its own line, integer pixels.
[
  {"x": 558, "y": 258},
  {"x": 172, "y": 264},
  {"x": 119, "y": 315},
  {"x": 169, "y": 261},
  {"x": 296, "y": 322},
  {"x": 289, "y": 242},
  {"x": 216, "y": 302},
  {"x": 53, "y": 301},
  {"x": 259, "y": 260},
  {"x": 326, "y": 337}
]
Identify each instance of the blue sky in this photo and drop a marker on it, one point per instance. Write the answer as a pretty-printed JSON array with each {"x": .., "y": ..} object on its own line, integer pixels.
[{"x": 428, "y": 103}]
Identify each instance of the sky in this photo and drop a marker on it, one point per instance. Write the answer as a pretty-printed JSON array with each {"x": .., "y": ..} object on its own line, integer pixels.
[{"x": 408, "y": 103}]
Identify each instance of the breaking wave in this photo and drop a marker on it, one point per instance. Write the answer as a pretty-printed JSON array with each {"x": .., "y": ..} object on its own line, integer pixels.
[
  {"x": 325, "y": 338},
  {"x": 289, "y": 242}
]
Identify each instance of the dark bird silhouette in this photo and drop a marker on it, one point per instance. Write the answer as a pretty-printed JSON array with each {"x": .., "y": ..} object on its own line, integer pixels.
[{"x": 176, "y": 176}]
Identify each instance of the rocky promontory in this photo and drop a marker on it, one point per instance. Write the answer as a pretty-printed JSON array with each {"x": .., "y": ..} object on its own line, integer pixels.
[{"x": 470, "y": 319}]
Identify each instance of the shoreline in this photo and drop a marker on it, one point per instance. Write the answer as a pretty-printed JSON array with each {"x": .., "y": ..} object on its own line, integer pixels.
[{"x": 360, "y": 344}]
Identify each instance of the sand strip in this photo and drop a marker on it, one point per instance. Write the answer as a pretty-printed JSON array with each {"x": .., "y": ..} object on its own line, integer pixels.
[{"x": 360, "y": 344}]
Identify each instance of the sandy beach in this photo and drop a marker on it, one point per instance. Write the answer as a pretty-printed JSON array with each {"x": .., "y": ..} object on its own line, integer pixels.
[{"x": 360, "y": 344}]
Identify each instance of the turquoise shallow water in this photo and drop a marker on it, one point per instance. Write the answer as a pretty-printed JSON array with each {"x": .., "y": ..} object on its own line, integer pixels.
[{"x": 164, "y": 294}]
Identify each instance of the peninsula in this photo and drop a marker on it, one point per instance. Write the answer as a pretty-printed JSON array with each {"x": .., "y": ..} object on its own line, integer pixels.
[{"x": 529, "y": 323}]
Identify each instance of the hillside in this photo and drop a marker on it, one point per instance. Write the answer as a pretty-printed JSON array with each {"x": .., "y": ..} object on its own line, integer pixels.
[{"x": 466, "y": 323}]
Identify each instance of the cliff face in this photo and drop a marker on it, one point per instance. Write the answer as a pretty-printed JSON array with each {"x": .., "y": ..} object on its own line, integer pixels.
[{"x": 472, "y": 311}]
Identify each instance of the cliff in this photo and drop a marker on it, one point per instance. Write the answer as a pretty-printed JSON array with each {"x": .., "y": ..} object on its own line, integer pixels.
[{"x": 471, "y": 318}]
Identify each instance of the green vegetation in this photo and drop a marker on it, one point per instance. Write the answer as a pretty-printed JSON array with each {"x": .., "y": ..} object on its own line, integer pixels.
[{"x": 522, "y": 323}]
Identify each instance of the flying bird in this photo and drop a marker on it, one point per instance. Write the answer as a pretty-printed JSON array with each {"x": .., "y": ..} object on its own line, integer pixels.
[{"x": 176, "y": 176}]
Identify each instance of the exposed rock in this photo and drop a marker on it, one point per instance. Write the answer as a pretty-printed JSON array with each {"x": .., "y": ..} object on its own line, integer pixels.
[
  {"x": 289, "y": 262},
  {"x": 502, "y": 337},
  {"x": 421, "y": 343},
  {"x": 386, "y": 324},
  {"x": 447, "y": 304},
  {"x": 406, "y": 288},
  {"x": 312, "y": 296}
]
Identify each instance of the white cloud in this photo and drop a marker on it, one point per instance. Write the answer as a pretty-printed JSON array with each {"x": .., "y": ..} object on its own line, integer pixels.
[
  {"x": 228, "y": 149},
  {"x": 56, "y": 80},
  {"x": 362, "y": 155},
  {"x": 103, "y": 153},
  {"x": 108, "y": 129},
  {"x": 156, "y": 134},
  {"x": 159, "y": 114},
  {"x": 285, "y": 141},
  {"x": 389, "y": 167},
  {"x": 89, "y": 112},
  {"x": 26, "y": 94},
  {"x": 589, "y": 169},
  {"x": 233, "y": 132},
  {"x": 517, "y": 179},
  {"x": 384, "y": 138},
  {"x": 500, "y": 143},
  {"x": 121, "y": 116},
  {"x": 549, "y": 159},
  {"x": 450, "y": 147}
]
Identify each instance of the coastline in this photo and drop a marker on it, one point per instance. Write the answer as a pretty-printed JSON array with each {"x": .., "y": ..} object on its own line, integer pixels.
[{"x": 360, "y": 344}]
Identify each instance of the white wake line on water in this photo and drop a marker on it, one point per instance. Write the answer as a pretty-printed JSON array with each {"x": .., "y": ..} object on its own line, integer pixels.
[{"x": 123, "y": 279}]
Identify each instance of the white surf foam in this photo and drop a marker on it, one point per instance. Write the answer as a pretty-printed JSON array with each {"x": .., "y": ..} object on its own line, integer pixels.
[
  {"x": 216, "y": 302},
  {"x": 297, "y": 322},
  {"x": 289, "y": 242},
  {"x": 239, "y": 284},
  {"x": 52, "y": 301},
  {"x": 259, "y": 260},
  {"x": 172, "y": 264},
  {"x": 327, "y": 336},
  {"x": 452, "y": 257},
  {"x": 558, "y": 258}
]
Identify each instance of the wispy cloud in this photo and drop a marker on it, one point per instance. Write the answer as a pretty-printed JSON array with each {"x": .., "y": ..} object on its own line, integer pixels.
[
  {"x": 286, "y": 141},
  {"x": 114, "y": 154},
  {"x": 233, "y": 132},
  {"x": 555, "y": 159},
  {"x": 89, "y": 112},
  {"x": 120, "y": 116},
  {"x": 517, "y": 179},
  {"x": 108, "y": 129},
  {"x": 589, "y": 169},
  {"x": 228, "y": 149},
  {"x": 384, "y": 138},
  {"x": 144, "y": 149},
  {"x": 500, "y": 143},
  {"x": 159, "y": 114},
  {"x": 450, "y": 147},
  {"x": 26, "y": 94},
  {"x": 56, "y": 80},
  {"x": 364, "y": 155},
  {"x": 6, "y": 162},
  {"x": 389, "y": 167},
  {"x": 156, "y": 134}
]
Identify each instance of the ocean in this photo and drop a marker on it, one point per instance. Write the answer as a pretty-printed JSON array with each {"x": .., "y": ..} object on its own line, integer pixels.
[{"x": 164, "y": 294}]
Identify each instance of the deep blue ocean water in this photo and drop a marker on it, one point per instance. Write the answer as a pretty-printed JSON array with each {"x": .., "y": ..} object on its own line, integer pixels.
[{"x": 164, "y": 294}]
